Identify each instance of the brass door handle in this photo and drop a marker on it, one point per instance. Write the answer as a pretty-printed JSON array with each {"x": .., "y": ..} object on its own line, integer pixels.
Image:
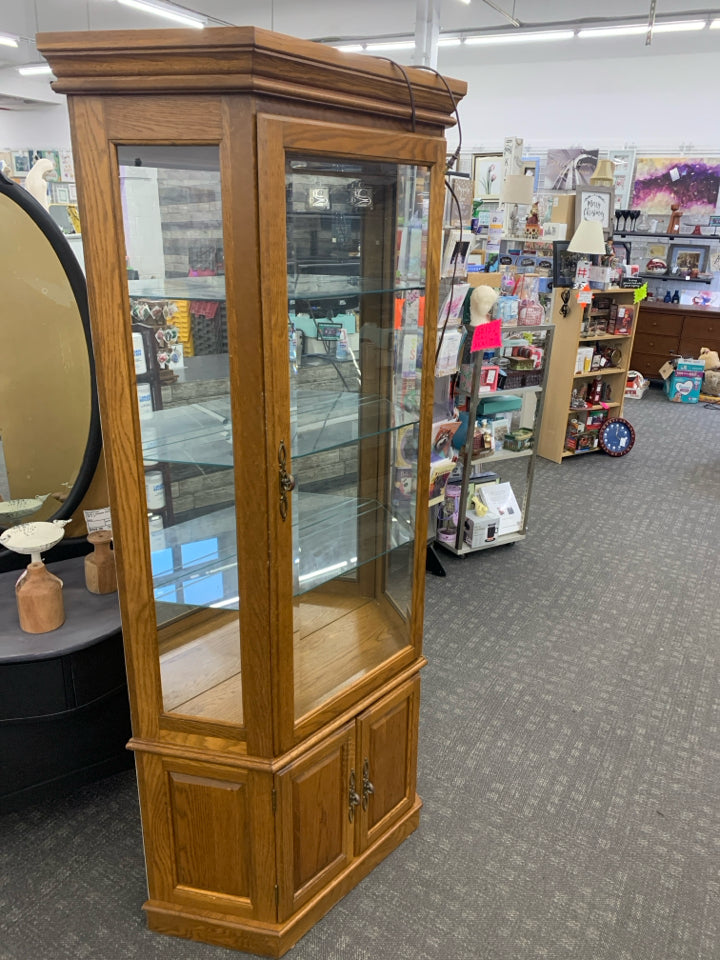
[
  {"x": 367, "y": 787},
  {"x": 287, "y": 480},
  {"x": 353, "y": 798}
]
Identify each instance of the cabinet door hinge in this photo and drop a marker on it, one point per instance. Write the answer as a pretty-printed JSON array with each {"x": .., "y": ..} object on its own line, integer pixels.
[{"x": 274, "y": 800}]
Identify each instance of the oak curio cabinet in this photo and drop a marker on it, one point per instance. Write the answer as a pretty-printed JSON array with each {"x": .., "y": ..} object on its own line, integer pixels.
[{"x": 263, "y": 216}]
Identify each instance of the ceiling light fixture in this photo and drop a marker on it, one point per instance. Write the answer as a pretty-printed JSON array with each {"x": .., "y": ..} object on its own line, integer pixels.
[
  {"x": 166, "y": 10},
  {"x": 35, "y": 70},
  {"x": 632, "y": 29},
  {"x": 391, "y": 45},
  {"x": 538, "y": 36},
  {"x": 715, "y": 25},
  {"x": 8, "y": 40}
]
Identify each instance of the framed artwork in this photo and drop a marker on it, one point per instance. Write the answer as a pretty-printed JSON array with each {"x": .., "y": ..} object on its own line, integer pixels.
[
  {"x": 691, "y": 182},
  {"x": 684, "y": 260},
  {"x": 487, "y": 175},
  {"x": 570, "y": 168},
  {"x": 624, "y": 161},
  {"x": 61, "y": 195},
  {"x": 20, "y": 162},
  {"x": 462, "y": 187},
  {"x": 596, "y": 204},
  {"x": 72, "y": 192},
  {"x": 565, "y": 263},
  {"x": 652, "y": 257}
]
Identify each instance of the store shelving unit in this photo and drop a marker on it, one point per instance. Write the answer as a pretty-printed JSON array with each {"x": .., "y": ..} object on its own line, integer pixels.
[
  {"x": 529, "y": 417},
  {"x": 564, "y": 382},
  {"x": 273, "y": 642}
]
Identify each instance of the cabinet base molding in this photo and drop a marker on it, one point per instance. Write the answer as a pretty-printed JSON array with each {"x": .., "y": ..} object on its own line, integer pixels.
[{"x": 275, "y": 939}]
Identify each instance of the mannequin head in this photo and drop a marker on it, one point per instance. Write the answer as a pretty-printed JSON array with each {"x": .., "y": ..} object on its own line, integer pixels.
[{"x": 482, "y": 300}]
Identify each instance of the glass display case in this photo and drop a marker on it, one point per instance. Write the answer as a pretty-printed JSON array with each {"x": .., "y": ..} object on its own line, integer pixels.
[{"x": 262, "y": 265}]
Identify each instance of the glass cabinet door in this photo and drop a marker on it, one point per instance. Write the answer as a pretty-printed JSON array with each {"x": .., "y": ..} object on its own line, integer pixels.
[
  {"x": 172, "y": 212},
  {"x": 356, "y": 262}
]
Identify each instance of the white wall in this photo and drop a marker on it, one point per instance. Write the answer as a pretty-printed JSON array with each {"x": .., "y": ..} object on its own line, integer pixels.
[
  {"x": 655, "y": 101},
  {"x": 41, "y": 128}
]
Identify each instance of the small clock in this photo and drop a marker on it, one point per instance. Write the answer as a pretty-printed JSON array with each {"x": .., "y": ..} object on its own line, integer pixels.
[{"x": 616, "y": 437}]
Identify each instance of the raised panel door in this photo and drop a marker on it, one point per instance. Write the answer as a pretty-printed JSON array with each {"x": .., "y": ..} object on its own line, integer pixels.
[
  {"x": 387, "y": 761},
  {"x": 315, "y": 836},
  {"x": 203, "y": 835}
]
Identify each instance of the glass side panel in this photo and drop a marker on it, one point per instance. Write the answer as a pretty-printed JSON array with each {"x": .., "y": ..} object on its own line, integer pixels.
[
  {"x": 172, "y": 211},
  {"x": 357, "y": 240}
]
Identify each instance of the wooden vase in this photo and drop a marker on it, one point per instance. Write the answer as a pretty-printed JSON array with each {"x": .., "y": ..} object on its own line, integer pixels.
[
  {"x": 100, "y": 575},
  {"x": 39, "y": 599}
]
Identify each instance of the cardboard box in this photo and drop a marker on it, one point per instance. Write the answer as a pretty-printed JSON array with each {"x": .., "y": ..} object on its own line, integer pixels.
[
  {"x": 685, "y": 382},
  {"x": 480, "y": 530},
  {"x": 478, "y": 279},
  {"x": 563, "y": 211}
]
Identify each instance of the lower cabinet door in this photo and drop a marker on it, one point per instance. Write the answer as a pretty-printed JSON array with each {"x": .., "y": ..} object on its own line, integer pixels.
[
  {"x": 387, "y": 761},
  {"x": 315, "y": 820},
  {"x": 203, "y": 826}
]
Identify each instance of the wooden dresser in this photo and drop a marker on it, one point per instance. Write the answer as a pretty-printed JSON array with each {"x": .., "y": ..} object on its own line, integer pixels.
[{"x": 665, "y": 330}]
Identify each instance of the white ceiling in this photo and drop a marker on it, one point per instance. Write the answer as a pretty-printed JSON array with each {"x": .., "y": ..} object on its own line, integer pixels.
[{"x": 342, "y": 19}]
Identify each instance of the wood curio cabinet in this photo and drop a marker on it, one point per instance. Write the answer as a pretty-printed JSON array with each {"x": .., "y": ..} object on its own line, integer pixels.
[{"x": 266, "y": 214}]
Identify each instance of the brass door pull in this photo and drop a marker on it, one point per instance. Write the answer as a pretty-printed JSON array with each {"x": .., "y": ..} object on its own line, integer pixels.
[
  {"x": 367, "y": 787},
  {"x": 353, "y": 798},
  {"x": 287, "y": 480}
]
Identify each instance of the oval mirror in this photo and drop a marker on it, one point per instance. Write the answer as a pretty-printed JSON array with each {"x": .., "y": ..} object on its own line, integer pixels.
[{"x": 49, "y": 423}]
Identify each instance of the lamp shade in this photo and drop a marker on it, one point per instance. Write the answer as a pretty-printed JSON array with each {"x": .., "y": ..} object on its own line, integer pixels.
[
  {"x": 588, "y": 238},
  {"x": 517, "y": 188},
  {"x": 604, "y": 174}
]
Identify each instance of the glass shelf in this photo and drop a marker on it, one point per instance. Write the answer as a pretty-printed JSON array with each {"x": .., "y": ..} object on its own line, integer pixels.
[
  {"x": 179, "y": 288},
  {"x": 195, "y": 562},
  {"x": 316, "y": 286},
  {"x": 334, "y": 286},
  {"x": 201, "y": 433}
]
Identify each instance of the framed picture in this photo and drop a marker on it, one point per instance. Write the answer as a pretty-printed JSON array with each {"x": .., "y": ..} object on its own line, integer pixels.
[
  {"x": 72, "y": 192},
  {"x": 624, "y": 161},
  {"x": 487, "y": 175},
  {"x": 595, "y": 203},
  {"x": 565, "y": 263},
  {"x": 20, "y": 162},
  {"x": 458, "y": 214},
  {"x": 687, "y": 260},
  {"x": 60, "y": 194}
]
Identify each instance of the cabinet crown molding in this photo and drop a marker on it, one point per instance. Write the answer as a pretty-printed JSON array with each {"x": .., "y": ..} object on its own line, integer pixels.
[{"x": 235, "y": 59}]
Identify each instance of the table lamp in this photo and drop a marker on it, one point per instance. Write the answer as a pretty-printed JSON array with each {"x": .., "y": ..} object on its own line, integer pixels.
[{"x": 588, "y": 238}]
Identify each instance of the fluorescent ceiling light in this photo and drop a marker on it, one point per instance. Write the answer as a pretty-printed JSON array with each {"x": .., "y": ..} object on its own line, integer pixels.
[
  {"x": 351, "y": 48},
  {"x": 631, "y": 29},
  {"x": 392, "y": 45},
  {"x": 449, "y": 41},
  {"x": 8, "y": 40},
  {"x": 167, "y": 11},
  {"x": 539, "y": 36},
  {"x": 35, "y": 69},
  {"x": 715, "y": 25}
]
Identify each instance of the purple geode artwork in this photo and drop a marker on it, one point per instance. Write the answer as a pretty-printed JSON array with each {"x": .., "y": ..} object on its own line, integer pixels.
[{"x": 693, "y": 183}]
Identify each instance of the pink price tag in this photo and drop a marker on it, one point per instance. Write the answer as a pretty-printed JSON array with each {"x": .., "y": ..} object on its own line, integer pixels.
[{"x": 487, "y": 335}]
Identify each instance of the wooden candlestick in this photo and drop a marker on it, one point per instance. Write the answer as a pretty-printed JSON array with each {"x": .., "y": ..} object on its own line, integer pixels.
[
  {"x": 100, "y": 575},
  {"x": 39, "y": 599}
]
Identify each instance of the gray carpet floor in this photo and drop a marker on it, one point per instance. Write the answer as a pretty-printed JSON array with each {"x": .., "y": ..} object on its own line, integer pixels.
[{"x": 569, "y": 749}]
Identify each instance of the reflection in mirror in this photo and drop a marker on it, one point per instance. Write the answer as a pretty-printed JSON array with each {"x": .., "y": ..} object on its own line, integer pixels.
[{"x": 49, "y": 427}]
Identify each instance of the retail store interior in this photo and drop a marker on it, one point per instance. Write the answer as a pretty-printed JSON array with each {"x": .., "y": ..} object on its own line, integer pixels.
[{"x": 387, "y": 629}]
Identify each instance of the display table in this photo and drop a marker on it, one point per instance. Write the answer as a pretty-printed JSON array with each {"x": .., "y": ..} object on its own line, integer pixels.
[
  {"x": 665, "y": 330},
  {"x": 64, "y": 717}
]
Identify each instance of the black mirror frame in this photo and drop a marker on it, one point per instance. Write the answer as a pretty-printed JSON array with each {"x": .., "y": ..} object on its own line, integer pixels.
[{"x": 72, "y": 546}]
